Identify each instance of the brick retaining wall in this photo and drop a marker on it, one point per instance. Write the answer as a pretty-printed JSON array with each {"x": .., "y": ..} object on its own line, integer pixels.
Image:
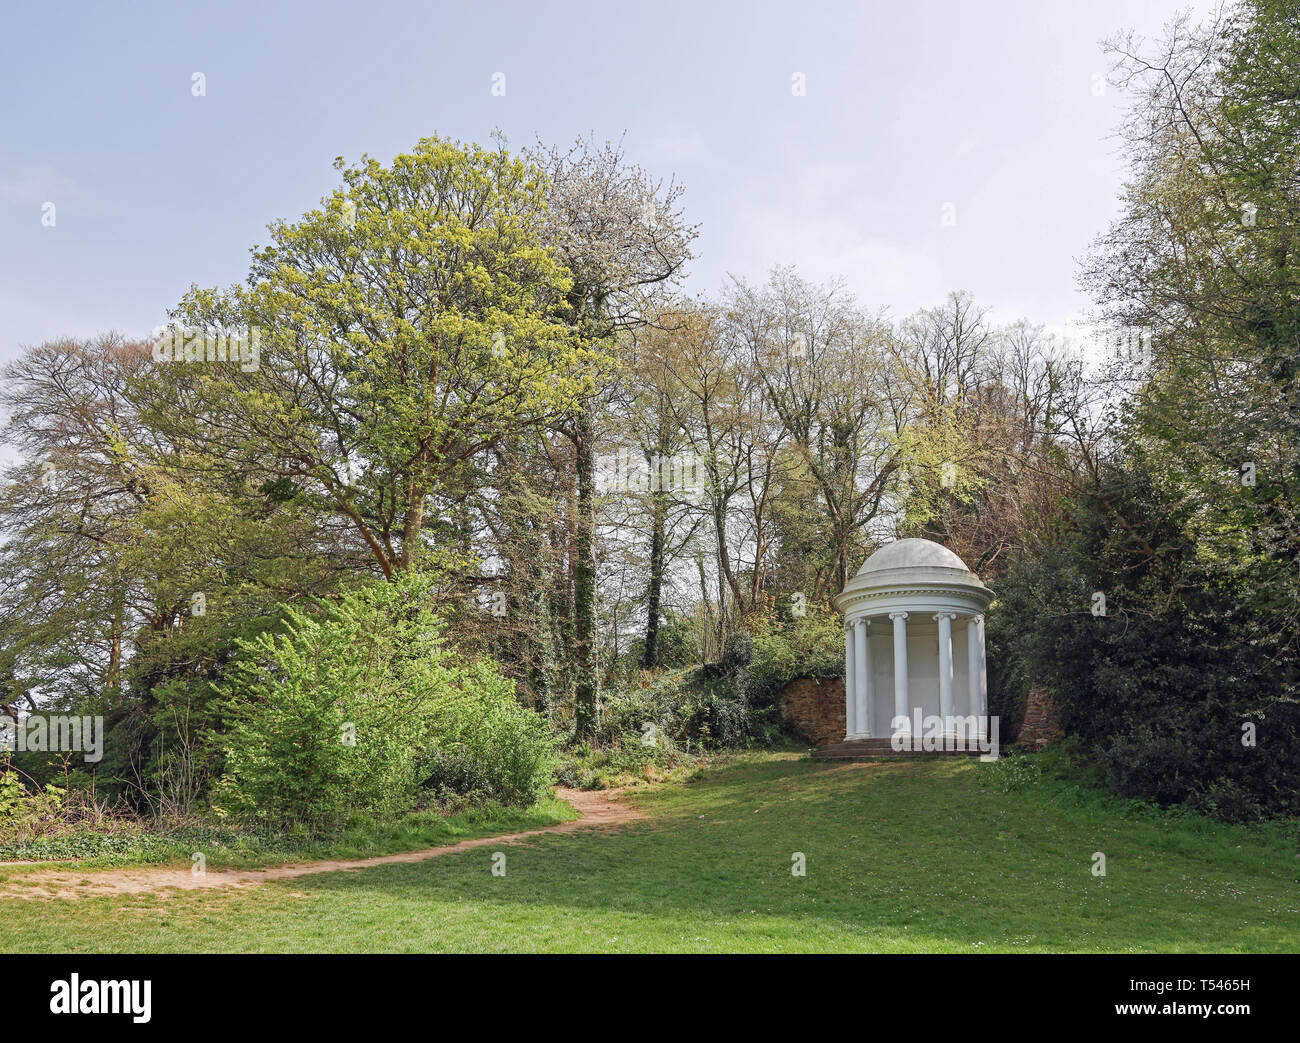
[
  {"x": 1042, "y": 723},
  {"x": 814, "y": 708}
]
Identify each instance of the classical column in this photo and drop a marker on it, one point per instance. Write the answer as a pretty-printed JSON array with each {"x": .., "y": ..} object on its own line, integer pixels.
[
  {"x": 978, "y": 678},
  {"x": 945, "y": 668},
  {"x": 862, "y": 689},
  {"x": 901, "y": 707},
  {"x": 850, "y": 678}
]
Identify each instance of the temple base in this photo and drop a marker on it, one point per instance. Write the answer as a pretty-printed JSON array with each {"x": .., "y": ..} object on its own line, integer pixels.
[{"x": 862, "y": 749}]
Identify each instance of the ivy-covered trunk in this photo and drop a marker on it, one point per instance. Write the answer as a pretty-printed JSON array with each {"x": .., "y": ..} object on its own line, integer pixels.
[
  {"x": 587, "y": 690},
  {"x": 654, "y": 592}
]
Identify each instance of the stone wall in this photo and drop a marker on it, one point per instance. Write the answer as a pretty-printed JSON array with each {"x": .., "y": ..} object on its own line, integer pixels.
[
  {"x": 814, "y": 708},
  {"x": 1042, "y": 723}
]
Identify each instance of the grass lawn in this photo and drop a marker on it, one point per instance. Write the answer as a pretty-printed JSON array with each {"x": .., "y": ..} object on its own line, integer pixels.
[{"x": 901, "y": 856}]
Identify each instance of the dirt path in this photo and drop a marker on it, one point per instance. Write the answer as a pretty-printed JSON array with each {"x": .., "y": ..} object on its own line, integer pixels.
[{"x": 599, "y": 810}]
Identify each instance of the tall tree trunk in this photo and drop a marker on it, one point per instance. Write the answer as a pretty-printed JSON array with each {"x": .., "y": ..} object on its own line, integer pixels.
[
  {"x": 564, "y": 542},
  {"x": 707, "y": 632},
  {"x": 658, "y": 510},
  {"x": 587, "y": 693},
  {"x": 412, "y": 525},
  {"x": 113, "y": 676},
  {"x": 543, "y": 658}
]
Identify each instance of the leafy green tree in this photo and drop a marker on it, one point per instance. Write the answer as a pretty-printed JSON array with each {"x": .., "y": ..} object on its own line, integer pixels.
[
  {"x": 1200, "y": 273},
  {"x": 1187, "y": 685},
  {"x": 130, "y": 566},
  {"x": 409, "y": 324}
]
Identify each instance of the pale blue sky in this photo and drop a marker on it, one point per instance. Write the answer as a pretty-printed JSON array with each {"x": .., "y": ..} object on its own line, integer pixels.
[{"x": 989, "y": 106}]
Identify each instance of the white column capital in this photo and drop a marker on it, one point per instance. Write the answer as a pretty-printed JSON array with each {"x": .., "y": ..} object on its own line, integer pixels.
[
  {"x": 945, "y": 615},
  {"x": 898, "y": 615}
]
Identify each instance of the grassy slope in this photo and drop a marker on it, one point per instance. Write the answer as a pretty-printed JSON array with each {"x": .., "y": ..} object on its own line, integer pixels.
[{"x": 901, "y": 857}]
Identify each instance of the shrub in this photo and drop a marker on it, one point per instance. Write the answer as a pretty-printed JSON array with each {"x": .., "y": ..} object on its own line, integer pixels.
[
  {"x": 679, "y": 709},
  {"x": 358, "y": 708},
  {"x": 737, "y": 651},
  {"x": 1165, "y": 687},
  {"x": 807, "y": 646},
  {"x": 507, "y": 750},
  {"x": 23, "y": 812},
  {"x": 678, "y": 645}
]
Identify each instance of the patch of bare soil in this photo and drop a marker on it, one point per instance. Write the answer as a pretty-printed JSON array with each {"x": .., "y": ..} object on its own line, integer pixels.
[{"x": 601, "y": 809}]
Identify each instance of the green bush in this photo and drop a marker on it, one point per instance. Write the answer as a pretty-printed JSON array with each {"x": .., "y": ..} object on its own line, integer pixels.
[
  {"x": 737, "y": 651},
  {"x": 22, "y": 811},
  {"x": 678, "y": 645},
  {"x": 1164, "y": 688},
  {"x": 783, "y": 650},
  {"x": 691, "y": 709},
  {"x": 509, "y": 750},
  {"x": 359, "y": 708}
]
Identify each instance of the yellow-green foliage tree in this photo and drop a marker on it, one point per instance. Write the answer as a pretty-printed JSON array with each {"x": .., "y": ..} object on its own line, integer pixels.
[{"x": 407, "y": 324}]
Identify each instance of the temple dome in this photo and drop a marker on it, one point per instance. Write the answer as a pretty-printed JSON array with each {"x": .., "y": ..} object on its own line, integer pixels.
[
  {"x": 903, "y": 554},
  {"x": 908, "y": 567}
]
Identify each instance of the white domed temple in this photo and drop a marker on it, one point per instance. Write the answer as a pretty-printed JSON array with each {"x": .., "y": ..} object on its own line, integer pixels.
[{"x": 913, "y": 645}]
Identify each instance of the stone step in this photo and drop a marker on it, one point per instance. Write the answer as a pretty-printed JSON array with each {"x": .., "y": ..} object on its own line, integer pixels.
[
  {"x": 870, "y": 744},
  {"x": 895, "y": 753},
  {"x": 877, "y": 741},
  {"x": 880, "y": 748},
  {"x": 888, "y": 756}
]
